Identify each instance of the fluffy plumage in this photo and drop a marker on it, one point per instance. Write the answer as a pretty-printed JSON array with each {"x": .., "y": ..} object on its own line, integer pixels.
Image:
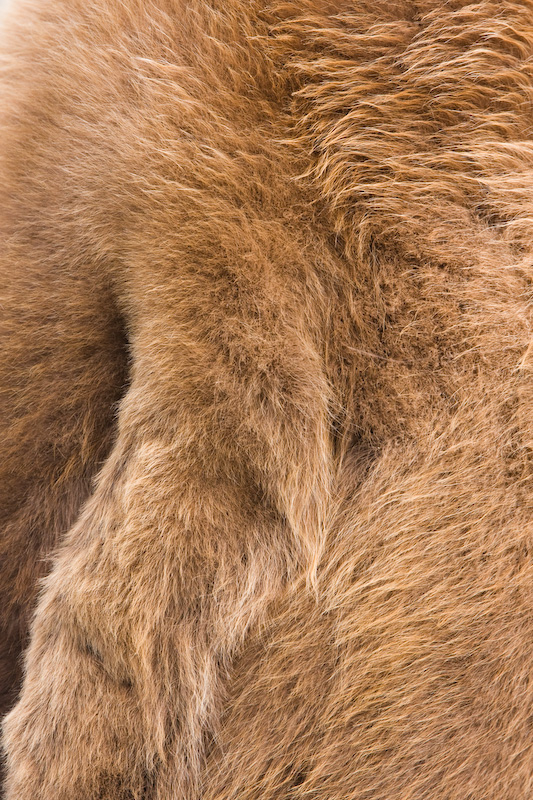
[{"x": 266, "y": 398}]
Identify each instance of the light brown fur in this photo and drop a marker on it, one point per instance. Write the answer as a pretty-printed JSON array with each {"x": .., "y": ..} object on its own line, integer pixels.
[{"x": 266, "y": 394}]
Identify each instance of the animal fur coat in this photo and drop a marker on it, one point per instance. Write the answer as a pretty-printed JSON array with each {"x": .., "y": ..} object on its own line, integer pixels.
[{"x": 266, "y": 399}]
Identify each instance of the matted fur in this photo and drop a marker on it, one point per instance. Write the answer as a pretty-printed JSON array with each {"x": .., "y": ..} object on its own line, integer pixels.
[{"x": 266, "y": 392}]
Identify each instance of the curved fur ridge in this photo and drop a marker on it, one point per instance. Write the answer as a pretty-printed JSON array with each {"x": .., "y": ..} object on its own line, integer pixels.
[{"x": 266, "y": 399}]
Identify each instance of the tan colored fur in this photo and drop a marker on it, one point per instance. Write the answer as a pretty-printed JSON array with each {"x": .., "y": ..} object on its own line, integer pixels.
[{"x": 266, "y": 394}]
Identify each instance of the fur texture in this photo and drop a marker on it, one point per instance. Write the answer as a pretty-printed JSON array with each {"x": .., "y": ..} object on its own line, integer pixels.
[{"x": 266, "y": 396}]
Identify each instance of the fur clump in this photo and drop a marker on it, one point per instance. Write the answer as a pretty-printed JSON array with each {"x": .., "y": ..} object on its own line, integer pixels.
[{"x": 266, "y": 399}]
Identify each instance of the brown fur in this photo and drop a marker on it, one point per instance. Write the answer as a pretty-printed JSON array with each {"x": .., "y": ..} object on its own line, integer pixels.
[{"x": 294, "y": 240}]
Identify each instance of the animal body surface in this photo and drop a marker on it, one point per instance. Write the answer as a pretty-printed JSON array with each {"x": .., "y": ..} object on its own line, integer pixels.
[{"x": 266, "y": 399}]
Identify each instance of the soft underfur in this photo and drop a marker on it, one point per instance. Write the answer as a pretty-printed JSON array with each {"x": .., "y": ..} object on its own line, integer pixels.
[{"x": 266, "y": 399}]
